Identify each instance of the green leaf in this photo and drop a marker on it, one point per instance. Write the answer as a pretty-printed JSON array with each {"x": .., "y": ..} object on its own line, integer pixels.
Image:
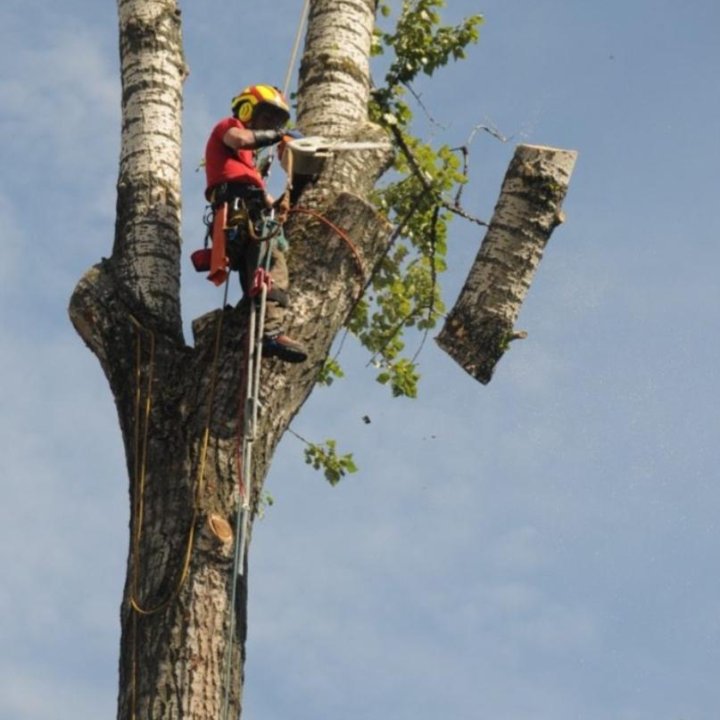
[
  {"x": 329, "y": 372},
  {"x": 405, "y": 288},
  {"x": 326, "y": 458}
]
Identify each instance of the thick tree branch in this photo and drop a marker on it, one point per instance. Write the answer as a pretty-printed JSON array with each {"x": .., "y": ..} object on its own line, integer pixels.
[
  {"x": 325, "y": 285},
  {"x": 146, "y": 252}
]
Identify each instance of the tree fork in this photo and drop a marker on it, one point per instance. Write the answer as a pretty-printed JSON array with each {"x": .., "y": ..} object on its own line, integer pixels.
[
  {"x": 178, "y": 405},
  {"x": 479, "y": 328},
  {"x": 172, "y": 660}
]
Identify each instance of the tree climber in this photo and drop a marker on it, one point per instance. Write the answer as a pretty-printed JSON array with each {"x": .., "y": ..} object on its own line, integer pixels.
[{"x": 259, "y": 114}]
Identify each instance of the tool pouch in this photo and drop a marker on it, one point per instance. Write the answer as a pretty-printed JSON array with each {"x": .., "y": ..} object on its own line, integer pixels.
[{"x": 201, "y": 259}]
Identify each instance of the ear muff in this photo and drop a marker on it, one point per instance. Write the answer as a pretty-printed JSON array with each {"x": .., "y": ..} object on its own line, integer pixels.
[{"x": 245, "y": 111}]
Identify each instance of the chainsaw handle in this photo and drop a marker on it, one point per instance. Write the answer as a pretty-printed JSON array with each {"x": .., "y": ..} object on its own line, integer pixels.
[{"x": 291, "y": 135}]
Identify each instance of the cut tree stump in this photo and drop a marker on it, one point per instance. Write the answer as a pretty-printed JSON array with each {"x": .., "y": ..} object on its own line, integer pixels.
[{"x": 480, "y": 326}]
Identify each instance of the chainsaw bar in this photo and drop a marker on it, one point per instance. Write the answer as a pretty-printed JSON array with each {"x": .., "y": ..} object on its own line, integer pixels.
[{"x": 308, "y": 153}]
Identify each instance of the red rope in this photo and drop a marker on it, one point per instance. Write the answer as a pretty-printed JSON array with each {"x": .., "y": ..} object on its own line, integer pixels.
[
  {"x": 340, "y": 232},
  {"x": 241, "y": 410}
]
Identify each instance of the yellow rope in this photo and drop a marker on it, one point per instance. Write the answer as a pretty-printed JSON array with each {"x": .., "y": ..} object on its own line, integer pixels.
[
  {"x": 141, "y": 450},
  {"x": 139, "y": 478}
]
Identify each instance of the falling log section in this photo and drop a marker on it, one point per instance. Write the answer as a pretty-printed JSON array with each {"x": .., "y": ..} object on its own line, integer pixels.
[{"x": 480, "y": 326}]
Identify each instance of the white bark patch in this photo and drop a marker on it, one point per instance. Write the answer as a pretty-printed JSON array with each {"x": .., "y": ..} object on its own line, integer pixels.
[
  {"x": 153, "y": 74},
  {"x": 334, "y": 75},
  {"x": 147, "y": 247}
]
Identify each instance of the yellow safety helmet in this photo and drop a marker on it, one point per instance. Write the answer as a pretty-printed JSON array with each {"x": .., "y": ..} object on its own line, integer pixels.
[{"x": 252, "y": 98}]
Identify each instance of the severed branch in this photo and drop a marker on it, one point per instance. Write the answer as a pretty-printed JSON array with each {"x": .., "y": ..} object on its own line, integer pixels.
[{"x": 479, "y": 328}]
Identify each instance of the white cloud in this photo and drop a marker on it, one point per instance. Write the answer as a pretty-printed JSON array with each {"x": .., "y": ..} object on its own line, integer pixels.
[{"x": 59, "y": 105}]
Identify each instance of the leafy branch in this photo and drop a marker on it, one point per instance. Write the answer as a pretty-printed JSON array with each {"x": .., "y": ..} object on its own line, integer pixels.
[
  {"x": 404, "y": 291},
  {"x": 325, "y": 457}
]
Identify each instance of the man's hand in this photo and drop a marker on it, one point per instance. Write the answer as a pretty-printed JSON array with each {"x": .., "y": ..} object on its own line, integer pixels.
[
  {"x": 264, "y": 138},
  {"x": 292, "y": 135},
  {"x": 288, "y": 137},
  {"x": 282, "y": 207}
]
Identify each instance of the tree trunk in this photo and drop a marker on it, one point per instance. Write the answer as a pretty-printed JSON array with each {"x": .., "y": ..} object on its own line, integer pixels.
[
  {"x": 479, "y": 328},
  {"x": 179, "y": 406}
]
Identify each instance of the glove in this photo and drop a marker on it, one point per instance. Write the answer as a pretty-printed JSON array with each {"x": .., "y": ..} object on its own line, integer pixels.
[{"x": 263, "y": 138}]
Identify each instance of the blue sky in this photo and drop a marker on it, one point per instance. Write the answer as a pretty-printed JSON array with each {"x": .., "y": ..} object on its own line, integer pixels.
[{"x": 541, "y": 548}]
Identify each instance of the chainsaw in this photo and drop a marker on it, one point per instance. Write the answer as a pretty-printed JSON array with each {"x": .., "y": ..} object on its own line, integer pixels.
[{"x": 309, "y": 153}]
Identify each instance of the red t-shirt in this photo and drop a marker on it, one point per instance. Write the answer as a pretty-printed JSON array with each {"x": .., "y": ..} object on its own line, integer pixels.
[{"x": 223, "y": 164}]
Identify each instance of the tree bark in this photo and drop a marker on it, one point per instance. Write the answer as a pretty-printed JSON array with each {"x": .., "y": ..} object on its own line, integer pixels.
[
  {"x": 479, "y": 328},
  {"x": 179, "y": 406}
]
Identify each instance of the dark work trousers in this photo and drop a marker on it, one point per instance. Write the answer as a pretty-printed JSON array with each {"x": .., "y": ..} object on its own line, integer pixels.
[{"x": 246, "y": 253}]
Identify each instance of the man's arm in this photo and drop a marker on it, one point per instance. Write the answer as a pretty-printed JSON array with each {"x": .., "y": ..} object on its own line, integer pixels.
[{"x": 243, "y": 139}]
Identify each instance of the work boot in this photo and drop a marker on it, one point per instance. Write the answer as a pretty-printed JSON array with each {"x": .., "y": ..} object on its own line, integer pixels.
[{"x": 284, "y": 348}]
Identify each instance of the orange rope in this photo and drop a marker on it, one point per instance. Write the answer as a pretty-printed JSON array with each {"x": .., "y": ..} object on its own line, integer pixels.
[{"x": 340, "y": 232}]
